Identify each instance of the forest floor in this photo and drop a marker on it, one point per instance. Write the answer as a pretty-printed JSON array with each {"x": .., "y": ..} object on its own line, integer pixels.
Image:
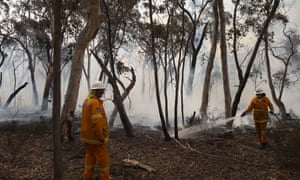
[{"x": 26, "y": 152}]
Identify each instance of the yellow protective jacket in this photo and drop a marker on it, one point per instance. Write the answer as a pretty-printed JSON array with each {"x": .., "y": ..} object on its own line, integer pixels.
[
  {"x": 94, "y": 126},
  {"x": 260, "y": 109}
]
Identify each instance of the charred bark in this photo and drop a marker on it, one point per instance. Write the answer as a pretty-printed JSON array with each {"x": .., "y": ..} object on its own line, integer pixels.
[{"x": 13, "y": 95}]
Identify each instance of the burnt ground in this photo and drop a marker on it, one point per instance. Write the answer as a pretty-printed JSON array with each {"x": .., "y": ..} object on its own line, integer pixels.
[{"x": 26, "y": 152}]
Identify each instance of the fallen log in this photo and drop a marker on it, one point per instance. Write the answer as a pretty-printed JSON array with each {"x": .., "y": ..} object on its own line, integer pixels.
[{"x": 135, "y": 163}]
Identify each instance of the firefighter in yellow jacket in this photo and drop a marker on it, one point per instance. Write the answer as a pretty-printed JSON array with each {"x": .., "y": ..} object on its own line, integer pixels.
[
  {"x": 260, "y": 104},
  {"x": 94, "y": 133}
]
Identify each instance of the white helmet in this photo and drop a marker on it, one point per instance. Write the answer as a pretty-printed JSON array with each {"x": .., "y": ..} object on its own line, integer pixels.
[
  {"x": 98, "y": 85},
  {"x": 259, "y": 91}
]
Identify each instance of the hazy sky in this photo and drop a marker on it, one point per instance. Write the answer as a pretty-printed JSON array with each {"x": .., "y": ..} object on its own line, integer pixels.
[
  {"x": 144, "y": 105},
  {"x": 294, "y": 13}
]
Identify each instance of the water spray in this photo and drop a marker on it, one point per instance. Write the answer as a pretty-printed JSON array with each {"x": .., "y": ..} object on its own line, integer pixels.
[{"x": 217, "y": 126}]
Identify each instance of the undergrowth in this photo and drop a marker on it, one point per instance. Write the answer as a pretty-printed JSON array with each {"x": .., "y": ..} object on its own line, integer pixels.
[
  {"x": 36, "y": 127},
  {"x": 20, "y": 133},
  {"x": 288, "y": 147}
]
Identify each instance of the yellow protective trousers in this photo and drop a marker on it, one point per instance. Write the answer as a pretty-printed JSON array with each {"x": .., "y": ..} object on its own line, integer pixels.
[
  {"x": 96, "y": 154},
  {"x": 261, "y": 131}
]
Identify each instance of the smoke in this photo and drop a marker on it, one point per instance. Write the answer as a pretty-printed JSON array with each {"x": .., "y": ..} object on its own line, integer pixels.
[{"x": 141, "y": 105}]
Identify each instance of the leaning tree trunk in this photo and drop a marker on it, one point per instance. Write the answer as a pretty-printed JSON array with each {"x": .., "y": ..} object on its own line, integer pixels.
[
  {"x": 252, "y": 58},
  {"x": 124, "y": 95},
  {"x": 31, "y": 68},
  {"x": 47, "y": 88},
  {"x": 117, "y": 98},
  {"x": 111, "y": 75},
  {"x": 11, "y": 97},
  {"x": 34, "y": 88},
  {"x": 85, "y": 36}
]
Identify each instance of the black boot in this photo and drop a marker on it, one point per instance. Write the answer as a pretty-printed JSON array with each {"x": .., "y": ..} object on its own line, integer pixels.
[{"x": 263, "y": 145}]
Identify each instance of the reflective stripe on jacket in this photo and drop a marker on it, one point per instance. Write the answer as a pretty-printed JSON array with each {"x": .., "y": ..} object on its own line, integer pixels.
[
  {"x": 260, "y": 108},
  {"x": 94, "y": 126}
]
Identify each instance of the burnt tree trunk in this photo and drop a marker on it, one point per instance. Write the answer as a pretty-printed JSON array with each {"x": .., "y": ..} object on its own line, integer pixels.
[{"x": 11, "y": 97}]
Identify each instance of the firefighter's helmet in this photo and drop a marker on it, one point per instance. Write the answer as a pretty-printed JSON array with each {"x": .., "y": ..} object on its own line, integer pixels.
[
  {"x": 98, "y": 85},
  {"x": 259, "y": 91}
]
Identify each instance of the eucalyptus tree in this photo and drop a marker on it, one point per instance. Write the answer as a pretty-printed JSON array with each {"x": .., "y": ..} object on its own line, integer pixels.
[
  {"x": 73, "y": 18},
  {"x": 286, "y": 52},
  {"x": 9, "y": 45},
  {"x": 56, "y": 24},
  {"x": 115, "y": 33},
  {"x": 4, "y": 11},
  {"x": 171, "y": 42},
  {"x": 175, "y": 50},
  {"x": 210, "y": 62},
  {"x": 198, "y": 31},
  {"x": 218, "y": 27},
  {"x": 223, "y": 48},
  {"x": 120, "y": 20},
  {"x": 87, "y": 34},
  {"x": 167, "y": 51},
  {"x": 254, "y": 19},
  {"x": 27, "y": 28},
  {"x": 153, "y": 55}
]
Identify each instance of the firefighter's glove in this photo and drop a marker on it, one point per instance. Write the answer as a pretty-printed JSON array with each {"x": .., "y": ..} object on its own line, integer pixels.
[
  {"x": 106, "y": 140},
  {"x": 243, "y": 114}
]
